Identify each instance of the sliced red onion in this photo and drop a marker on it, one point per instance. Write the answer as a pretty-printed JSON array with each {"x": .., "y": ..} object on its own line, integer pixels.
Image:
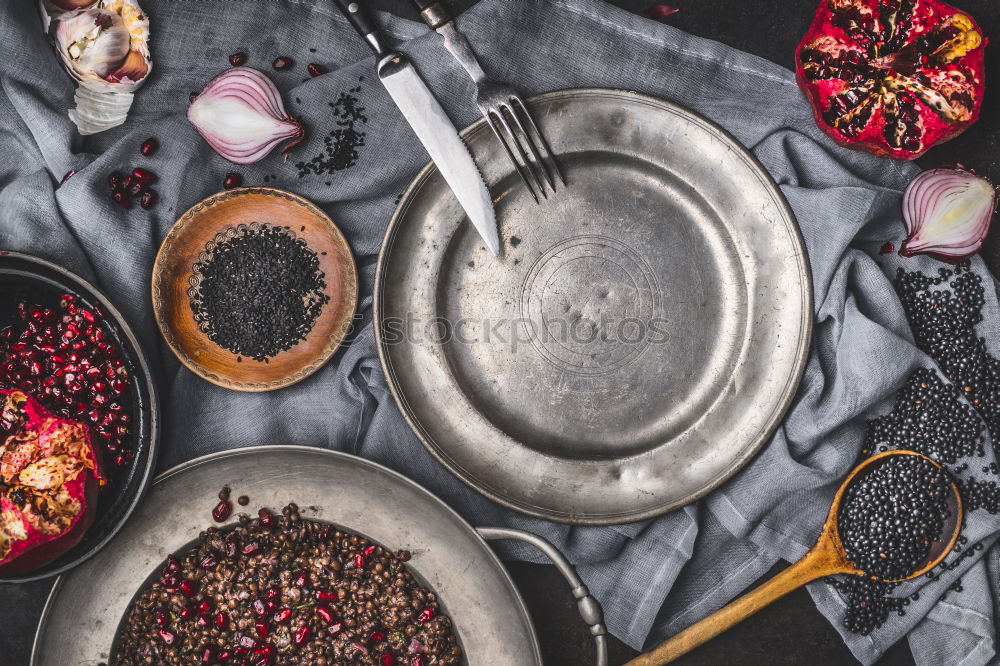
[
  {"x": 240, "y": 114},
  {"x": 947, "y": 213}
]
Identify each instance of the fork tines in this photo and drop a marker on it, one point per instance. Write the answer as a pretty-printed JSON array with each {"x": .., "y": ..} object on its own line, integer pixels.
[{"x": 525, "y": 145}]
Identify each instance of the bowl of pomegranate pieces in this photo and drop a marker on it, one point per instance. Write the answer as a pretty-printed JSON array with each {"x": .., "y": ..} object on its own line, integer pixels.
[{"x": 78, "y": 419}]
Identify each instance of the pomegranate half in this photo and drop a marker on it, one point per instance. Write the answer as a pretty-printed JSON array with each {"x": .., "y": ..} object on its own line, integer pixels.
[
  {"x": 49, "y": 480},
  {"x": 892, "y": 77}
]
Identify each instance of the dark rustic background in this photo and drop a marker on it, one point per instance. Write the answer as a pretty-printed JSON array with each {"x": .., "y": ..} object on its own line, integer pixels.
[{"x": 790, "y": 631}]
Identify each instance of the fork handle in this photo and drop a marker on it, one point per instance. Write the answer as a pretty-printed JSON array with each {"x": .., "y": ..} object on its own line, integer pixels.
[
  {"x": 363, "y": 23},
  {"x": 433, "y": 13}
]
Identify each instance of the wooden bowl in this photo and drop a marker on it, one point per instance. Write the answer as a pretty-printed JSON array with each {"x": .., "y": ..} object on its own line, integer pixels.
[{"x": 184, "y": 246}]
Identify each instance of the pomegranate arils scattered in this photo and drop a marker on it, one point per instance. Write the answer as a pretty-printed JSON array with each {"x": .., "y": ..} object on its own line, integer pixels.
[
  {"x": 300, "y": 579},
  {"x": 261, "y": 628},
  {"x": 426, "y": 614},
  {"x": 188, "y": 588},
  {"x": 69, "y": 174},
  {"x": 335, "y": 628},
  {"x": 301, "y": 634},
  {"x": 168, "y": 637},
  {"x": 377, "y": 637},
  {"x": 315, "y": 69},
  {"x": 207, "y": 656},
  {"x": 205, "y": 607},
  {"x": 325, "y": 613},
  {"x": 186, "y": 613},
  {"x": 416, "y": 660},
  {"x": 887, "y": 248},
  {"x": 326, "y": 595},
  {"x": 250, "y": 548},
  {"x": 144, "y": 176},
  {"x": 266, "y": 517},
  {"x": 238, "y": 59},
  {"x": 149, "y": 146},
  {"x": 659, "y": 11},
  {"x": 221, "y": 620},
  {"x": 222, "y": 511},
  {"x": 388, "y": 659},
  {"x": 282, "y": 615},
  {"x": 282, "y": 63},
  {"x": 121, "y": 199},
  {"x": 369, "y": 550},
  {"x": 232, "y": 180}
]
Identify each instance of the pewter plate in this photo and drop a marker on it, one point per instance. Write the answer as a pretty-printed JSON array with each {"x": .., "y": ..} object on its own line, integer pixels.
[
  {"x": 640, "y": 337},
  {"x": 82, "y": 616}
]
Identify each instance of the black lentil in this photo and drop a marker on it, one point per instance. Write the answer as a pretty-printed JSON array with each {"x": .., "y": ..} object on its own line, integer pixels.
[
  {"x": 950, "y": 422},
  {"x": 259, "y": 290},
  {"x": 890, "y": 518}
]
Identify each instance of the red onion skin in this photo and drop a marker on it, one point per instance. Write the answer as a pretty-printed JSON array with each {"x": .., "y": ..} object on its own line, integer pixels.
[
  {"x": 254, "y": 90},
  {"x": 920, "y": 195}
]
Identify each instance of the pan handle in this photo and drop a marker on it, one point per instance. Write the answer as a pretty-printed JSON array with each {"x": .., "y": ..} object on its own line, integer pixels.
[{"x": 590, "y": 608}]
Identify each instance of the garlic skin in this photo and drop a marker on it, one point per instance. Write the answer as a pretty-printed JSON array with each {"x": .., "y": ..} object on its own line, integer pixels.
[
  {"x": 947, "y": 213},
  {"x": 104, "y": 46},
  {"x": 241, "y": 115}
]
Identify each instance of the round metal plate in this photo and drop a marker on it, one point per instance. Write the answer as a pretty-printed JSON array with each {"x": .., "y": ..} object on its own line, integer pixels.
[
  {"x": 639, "y": 339},
  {"x": 84, "y": 610}
]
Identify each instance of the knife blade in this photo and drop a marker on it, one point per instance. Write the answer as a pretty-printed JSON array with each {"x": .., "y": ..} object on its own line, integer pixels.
[{"x": 431, "y": 125}]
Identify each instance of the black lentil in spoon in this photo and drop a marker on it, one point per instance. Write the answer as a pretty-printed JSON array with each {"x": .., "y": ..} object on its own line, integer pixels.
[
  {"x": 260, "y": 292},
  {"x": 890, "y": 517}
]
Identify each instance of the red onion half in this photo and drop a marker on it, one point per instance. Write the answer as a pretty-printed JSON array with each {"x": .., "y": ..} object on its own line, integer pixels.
[
  {"x": 240, "y": 114},
  {"x": 947, "y": 213}
]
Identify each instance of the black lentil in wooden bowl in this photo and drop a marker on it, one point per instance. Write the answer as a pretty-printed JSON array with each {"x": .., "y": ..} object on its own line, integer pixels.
[{"x": 278, "y": 590}]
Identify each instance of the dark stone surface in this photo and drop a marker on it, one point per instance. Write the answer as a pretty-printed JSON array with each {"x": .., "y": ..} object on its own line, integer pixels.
[{"x": 790, "y": 631}]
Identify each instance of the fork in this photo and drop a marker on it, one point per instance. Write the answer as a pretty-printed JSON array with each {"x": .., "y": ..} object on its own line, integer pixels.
[{"x": 501, "y": 106}]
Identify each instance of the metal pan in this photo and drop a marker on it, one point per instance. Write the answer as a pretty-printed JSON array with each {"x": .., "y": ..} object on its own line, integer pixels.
[
  {"x": 85, "y": 608},
  {"x": 24, "y": 275},
  {"x": 639, "y": 339}
]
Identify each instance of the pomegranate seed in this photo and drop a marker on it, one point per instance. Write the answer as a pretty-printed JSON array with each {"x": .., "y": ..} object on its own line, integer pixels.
[
  {"x": 207, "y": 656},
  {"x": 143, "y": 176},
  {"x": 282, "y": 615},
  {"x": 388, "y": 659},
  {"x": 232, "y": 180},
  {"x": 301, "y": 634},
  {"x": 127, "y": 182},
  {"x": 261, "y": 628},
  {"x": 265, "y": 652},
  {"x": 115, "y": 180},
  {"x": 416, "y": 660},
  {"x": 237, "y": 59},
  {"x": 208, "y": 562},
  {"x": 205, "y": 607},
  {"x": 316, "y": 70},
  {"x": 259, "y": 608},
  {"x": 168, "y": 637},
  {"x": 149, "y": 146},
  {"x": 325, "y": 613},
  {"x": 188, "y": 588},
  {"x": 266, "y": 517},
  {"x": 170, "y": 582},
  {"x": 270, "y": 605},
  {"x": 359, "y": 560},
  {"x": 376, "y": 637},
  {"x": 300, "y": 579},
  {"x": 369, "y": 550},
  {"x": 250, "y": 548},
  {"x": 326, "y": 595},
  {"x": 185, "y": 613},
  {"x": 426, "y": 614},
  {"x": 121, "y": 199},
  {"x": 135, "y": 188},
  {"x": 69, "y": 174},
  {"x": 224, "y": 655},
  {"x": 282, "y": 63},
  {"x": 245, "y": 641},
  {"x": 221, "y": 620},
  {"x": 147, "y": 198},
  {"x": 335, "y": 627},
  {"x": 161, "y": 619},
  {"x": 271, "y": 593},
  {"x": 203, "y": 621},
  {"x": 222, "y": 511}
]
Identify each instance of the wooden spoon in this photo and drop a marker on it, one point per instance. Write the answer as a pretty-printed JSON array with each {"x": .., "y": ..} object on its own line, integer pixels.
[{"x": 827, "y": 557}]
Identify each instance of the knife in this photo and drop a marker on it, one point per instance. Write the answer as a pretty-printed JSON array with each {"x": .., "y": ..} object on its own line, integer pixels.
[{"x": 431, "y": 125}]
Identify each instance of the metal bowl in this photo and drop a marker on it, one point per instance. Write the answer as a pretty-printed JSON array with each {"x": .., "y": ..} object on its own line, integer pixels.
[
  {"x": 21, "y": 274},
  {"x": 84, "y": 611}
]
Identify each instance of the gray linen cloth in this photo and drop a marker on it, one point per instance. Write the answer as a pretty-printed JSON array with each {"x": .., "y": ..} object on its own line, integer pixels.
[{"x": 653, "y": 578}]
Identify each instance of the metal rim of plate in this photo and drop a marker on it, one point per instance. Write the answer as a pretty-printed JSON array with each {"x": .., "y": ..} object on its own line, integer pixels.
[
  {"x": 132, "y": 486},
  {"x": 643, "y": 429},
  {"x": 85, "y": 607}
]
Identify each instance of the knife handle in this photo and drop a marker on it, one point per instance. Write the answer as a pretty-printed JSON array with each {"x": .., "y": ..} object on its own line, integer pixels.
[
  {"x": 433, "y": 13},
  {"x": 363, "y": 23}
]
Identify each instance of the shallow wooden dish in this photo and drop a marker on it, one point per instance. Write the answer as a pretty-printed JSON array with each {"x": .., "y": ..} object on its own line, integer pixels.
[{"x": 173, "y": 275}]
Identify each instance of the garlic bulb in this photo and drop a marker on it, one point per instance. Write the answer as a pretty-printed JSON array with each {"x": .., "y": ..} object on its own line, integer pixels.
[
  {"x": 104, "y": 45},
  {"x": 241, "y": 115}
]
